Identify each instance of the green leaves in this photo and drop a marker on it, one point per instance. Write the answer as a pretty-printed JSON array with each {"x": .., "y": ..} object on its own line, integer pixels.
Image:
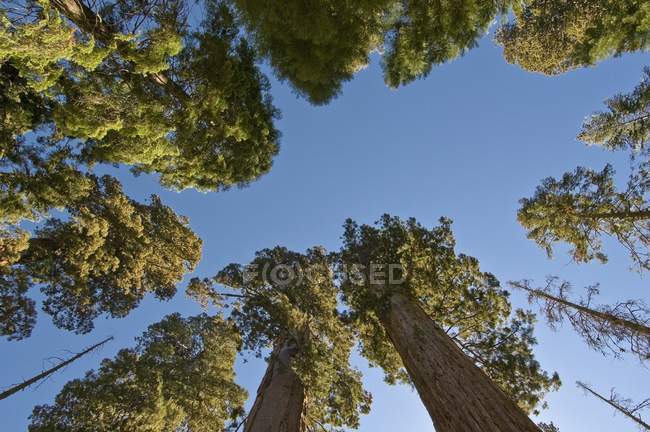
[
  {"x": 179, "y": 376},
  {"x": 290, "y": 296},
  {"x": 581, "y": 207},
  {"x": 105, "y": 258},
  {"x": 552, "y": 36},
  {"x": 452, "y": 290}
]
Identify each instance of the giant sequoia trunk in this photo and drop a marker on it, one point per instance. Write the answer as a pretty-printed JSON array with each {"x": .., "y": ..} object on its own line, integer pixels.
[
  {"x": 280, "y": 397},
  {"x": 457, "y": 394}
]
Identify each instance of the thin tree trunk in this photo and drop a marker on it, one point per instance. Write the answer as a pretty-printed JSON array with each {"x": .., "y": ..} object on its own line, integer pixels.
[
  {"x": 457, "y": 394},
  {"x": 625, "y": 215},
  {"x": 90, "y": 22},
  {"x": 50, "y": 371},
  {"x": 616, "y": 406},
  {"x": 280, "y": 397},
  {"x": 633, "y": 326}
]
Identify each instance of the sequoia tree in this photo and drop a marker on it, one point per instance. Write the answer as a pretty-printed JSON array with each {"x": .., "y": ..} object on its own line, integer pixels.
[
  {"x": 287, "y": 302},
  {"x": 320, "y": 44},
  {"x": 137, "y": 83},
  {"x": 583, "y": 206},
  {"x": 102, "y": 259},
  {"x": 554, "y": 36},
  {"x": 613, "y": 330},
  {"x": 178, "y": 377},
  {"x": 431, "y": 317}
]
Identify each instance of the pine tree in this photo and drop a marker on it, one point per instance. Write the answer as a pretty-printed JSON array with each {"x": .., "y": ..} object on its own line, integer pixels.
[
  {"x": 103, "y": 259},
  {"x": 623, "y": 327},
  {"x": 134, "y": 83},
  {"x": 287, "y": 302},
  {"x": 442, "y": 324},
  {"x": 624, "y": 406},
  {"x": 625, "y": 124},
  {"x": 554, "y": 36},
  {"x": 178, "y": 377},
  {"x": 583, "y": 206},
  {"x": 319, "y": 45}
]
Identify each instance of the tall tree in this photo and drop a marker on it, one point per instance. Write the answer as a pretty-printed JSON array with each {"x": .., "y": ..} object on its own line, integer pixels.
[
  {"x": 624, "y": 406},
  {"x": 554, "y": 36},
  {"x": 626, "y": 122},
  {"x": 179, "y": 377},
  {"x": 46, "y": 373},
  {"x": 613, "y": 330},
  {"x": 137, "y": 83},
  {"x": 441, "y": 323},
  {"x": 320, "y": 44},
  {"x": 583, "y": 206},
  {"x": 287, "y": 301},
  {"x": 103, "y": 258}
]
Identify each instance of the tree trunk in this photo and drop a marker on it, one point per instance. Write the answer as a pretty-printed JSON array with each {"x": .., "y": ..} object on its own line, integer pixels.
[
  {"x": 50, "y": 371},
  {"x": 457, "y": 394},
  {"x": 621, "y": 322},
  {"x": 280, "y": 397},
  {"x": 616, "y": 406}
]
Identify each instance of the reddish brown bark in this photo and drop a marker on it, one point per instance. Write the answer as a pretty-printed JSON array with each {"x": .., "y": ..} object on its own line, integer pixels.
[
  {"x": 457, "y": 394},
  {"x": 280, "y": 397}
]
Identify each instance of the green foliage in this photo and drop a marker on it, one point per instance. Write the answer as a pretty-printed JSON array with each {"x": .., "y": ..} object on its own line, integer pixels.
[
  {"x": 464, "y": 301},
  {"x": 291, "y": 297},
  {"x": 132, "y": 83},
  {"x": 179, "y": 377},
  {"x": 105, "y": 257},
  {"x": 554, "y": 36},
  {"x": 320, "y": 44},
  {"x": 626, "y": 123},
  {"x": 428, "y": 33},
  {"x": 17, "y": 311},
  {"x": 584, "y": 205}
]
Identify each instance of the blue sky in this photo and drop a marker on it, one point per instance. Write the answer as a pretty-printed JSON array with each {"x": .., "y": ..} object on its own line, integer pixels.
[{"x": 467, "y": 142}]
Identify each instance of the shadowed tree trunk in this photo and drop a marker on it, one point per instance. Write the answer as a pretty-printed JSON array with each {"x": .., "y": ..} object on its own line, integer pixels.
[
  {"x": 22, "y": 386},
  {"x": 280, "y": 397},
  {"x": 457, "y": 394}
]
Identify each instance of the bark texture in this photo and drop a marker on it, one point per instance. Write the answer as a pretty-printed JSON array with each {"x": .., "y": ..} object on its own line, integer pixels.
[
  {"x": 457, "y": 394},
  {"x": 280, "y": 397}
]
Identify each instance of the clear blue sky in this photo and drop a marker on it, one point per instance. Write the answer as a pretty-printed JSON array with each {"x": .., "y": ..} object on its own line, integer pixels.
[{"x": 467, "y": 142}]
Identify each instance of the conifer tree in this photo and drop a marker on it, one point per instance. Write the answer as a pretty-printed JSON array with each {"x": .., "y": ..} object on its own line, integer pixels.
[
  {"x": 625, "y": 124},
  {"x": 103, "y": 259},
  {"x": 320, "y": 44},
  {"x": 442, "y": 324},
  {"x": 623, "y": 327},
  {"x": 178, "y": 377},
  {"x": 583, "y": 206},
  {"x": 287, "y": 302},
  {"x": 624, "y": 406},
  {"x": 554, "y": 36},
  {"x": 136, "y": 83}
]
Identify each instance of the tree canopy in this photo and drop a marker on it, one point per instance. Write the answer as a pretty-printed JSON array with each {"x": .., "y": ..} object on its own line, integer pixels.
[
  {"x": 461, "y": 299},
  {"x": 581, "y": 207},
  {"x": 136, "y": 83},
  {"x": 178, "y": 377},
  {"x": 554, "y": 36},
  {"x": 288, "y": 296},
  {"x": 319, "y": 45},
  {"x": 102, "y": 259}
]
